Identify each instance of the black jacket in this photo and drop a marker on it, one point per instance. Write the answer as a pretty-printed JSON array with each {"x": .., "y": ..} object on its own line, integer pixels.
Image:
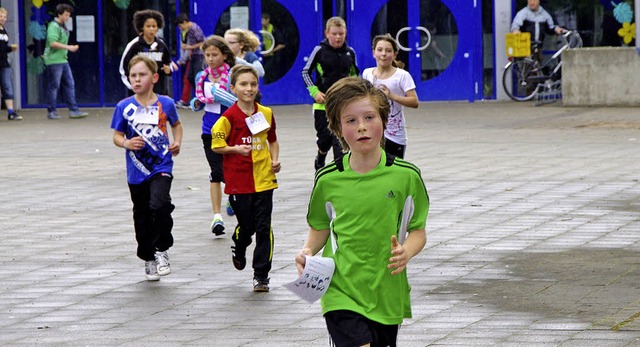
[
  {"x": 330, "y": 64},
  {"x": 157, "y": 51}
]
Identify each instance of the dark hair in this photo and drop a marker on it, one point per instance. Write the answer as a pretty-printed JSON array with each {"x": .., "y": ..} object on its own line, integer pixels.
[
  {"x": 141, "y": 16},
  {"x": 394, "y": 46},
  {"x": 181, "y": 18},
  {"x": 221, "y": 43},
  {"x": 62, "y": 8},
  {"x": 266, "y": 16},
  {"x": 239, "y": 70},
  {"x": 344, "y": 92}
]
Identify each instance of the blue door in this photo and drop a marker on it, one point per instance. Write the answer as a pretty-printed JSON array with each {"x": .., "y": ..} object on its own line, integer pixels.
[
  {"x": 440, "y": 40},
  {"x": 297, "y": 25}
]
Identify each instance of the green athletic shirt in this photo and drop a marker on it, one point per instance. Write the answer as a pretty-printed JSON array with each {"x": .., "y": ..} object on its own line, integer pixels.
[
  {"x": 368, "y": 210},
  {"x": 56, "y": 32}
]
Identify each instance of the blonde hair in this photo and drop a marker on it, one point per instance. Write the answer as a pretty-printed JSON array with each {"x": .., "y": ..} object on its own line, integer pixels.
[
  {"x": 335, "y": 22},
  {"x": 4, "y": 10},
  {"x": 150, "y": 63},
  {"x": 249, "y": 40},
  {"x": 346, "y": 91}
]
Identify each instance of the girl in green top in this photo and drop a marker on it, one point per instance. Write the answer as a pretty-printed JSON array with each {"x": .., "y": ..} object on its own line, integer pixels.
[{"x": 368, "y": 210}]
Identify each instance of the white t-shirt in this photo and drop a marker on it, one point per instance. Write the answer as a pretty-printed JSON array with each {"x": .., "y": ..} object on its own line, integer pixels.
[{"x": 399, "y": 83}]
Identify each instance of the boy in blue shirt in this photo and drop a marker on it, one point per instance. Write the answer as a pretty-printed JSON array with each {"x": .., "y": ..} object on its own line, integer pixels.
[{"x": 140, "y": 126}]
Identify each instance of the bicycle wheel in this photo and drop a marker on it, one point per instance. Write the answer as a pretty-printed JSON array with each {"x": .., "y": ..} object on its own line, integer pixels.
[{"x": 520, "y": 79}]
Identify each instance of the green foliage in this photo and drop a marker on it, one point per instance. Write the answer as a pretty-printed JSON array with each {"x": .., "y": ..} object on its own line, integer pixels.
[{"x": 122, "y": 4}]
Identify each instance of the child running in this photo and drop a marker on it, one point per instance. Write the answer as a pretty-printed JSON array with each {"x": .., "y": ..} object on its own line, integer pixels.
[
  {"x": 331, "y": 60},
  {"x": 147, "y": 23},
  {"x": 357, "y": 210},
  {"x": 212, "y": 85},
  {"x": 246, "y": 136},
  {"x": 140, "y": 127},
  {"x": 399, "y": 88},
  {"x": 244, "y": 43}
]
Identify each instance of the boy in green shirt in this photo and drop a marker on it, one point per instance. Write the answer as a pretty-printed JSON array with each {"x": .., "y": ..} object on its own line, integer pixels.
[
  {"x": 368, "y": 210},
  {"x": 58, "y": 71}
]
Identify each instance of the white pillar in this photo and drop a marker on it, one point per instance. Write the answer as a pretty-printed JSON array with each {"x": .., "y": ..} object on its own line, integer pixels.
[{"x": 502, "y": 18}]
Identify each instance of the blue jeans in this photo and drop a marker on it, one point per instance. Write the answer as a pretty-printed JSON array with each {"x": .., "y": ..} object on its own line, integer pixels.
[
  {"x": 6, "y": 83},
  {"x": 60, "y": 74}
]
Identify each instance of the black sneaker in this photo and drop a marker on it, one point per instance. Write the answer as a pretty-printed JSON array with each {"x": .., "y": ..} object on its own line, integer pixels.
[
  {"x": 217, "y": 226},
  {"x": 239, "y": 260},
  {"x": 319, "y": 162},
  {"x": 260, "y": 285},
  {"x": 14, "y": 116}
]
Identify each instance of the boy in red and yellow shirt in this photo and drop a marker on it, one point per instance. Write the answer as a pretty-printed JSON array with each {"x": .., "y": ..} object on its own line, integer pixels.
[{"x": 246, "y": 135}]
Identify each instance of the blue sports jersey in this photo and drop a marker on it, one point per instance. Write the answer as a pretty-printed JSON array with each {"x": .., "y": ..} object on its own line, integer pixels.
[{"x": 150, "y": 123}]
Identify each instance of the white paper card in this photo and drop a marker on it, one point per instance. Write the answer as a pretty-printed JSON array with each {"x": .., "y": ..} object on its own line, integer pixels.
[
  {"x": 147, "y": 115},
  {"x": 207, "y": 90},
  {"x": 314, "y": 280},
  {"x": 215, "y": 107},
  {"x": 257, "y": 123}
]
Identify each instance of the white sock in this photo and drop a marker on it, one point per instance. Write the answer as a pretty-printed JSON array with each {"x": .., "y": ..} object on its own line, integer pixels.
[{"x": 217, "y": 215}]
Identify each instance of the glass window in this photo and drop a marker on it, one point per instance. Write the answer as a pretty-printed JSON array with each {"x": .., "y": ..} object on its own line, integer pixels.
[{"x": 119, "y": 30}]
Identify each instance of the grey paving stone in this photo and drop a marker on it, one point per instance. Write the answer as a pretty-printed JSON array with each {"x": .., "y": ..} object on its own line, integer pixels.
[{"x": 532, "y": 235}]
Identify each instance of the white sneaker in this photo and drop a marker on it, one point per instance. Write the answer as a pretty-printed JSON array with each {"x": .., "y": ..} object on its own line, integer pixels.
[
  {"x": 217, "y": 226},
  {"x": 151, "y": 270},
  {"x": 162, "y": 260}
]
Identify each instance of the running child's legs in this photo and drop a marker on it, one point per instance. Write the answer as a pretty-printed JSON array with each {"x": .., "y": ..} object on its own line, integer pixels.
[
  {"x": 215, "y": 176},
  {"x": 253, "y": 212},
  {"x": 215, "y": 191},
  {"x": 347, "y": 328},
  {"x": 152, "y": 219},
  {"x": 394, "y": 149},
  {"x": 325, "y": 139}
]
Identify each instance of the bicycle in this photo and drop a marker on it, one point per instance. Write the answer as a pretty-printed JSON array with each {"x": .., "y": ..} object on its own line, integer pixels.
[{"x": 525, "y": 77}]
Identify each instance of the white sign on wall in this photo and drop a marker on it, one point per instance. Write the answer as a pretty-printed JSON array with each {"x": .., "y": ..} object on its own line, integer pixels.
[
  {"x": 86, "y": 29},
  {"x": 239, "y": 17}
]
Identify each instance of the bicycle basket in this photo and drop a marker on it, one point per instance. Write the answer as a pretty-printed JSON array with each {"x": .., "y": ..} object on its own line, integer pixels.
[{"x": 518, "y": 45}]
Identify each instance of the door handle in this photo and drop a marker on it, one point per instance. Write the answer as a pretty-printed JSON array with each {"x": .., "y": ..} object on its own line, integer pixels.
[
  {"x": 273, "y": 42},
  {"x": 421, "y": 48},
  {"x": 423, "y": 29},
  {"x": 406, "y": 49}
]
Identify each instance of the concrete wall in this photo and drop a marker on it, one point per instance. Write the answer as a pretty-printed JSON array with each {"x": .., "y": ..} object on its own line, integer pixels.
[{"x": 601, "y": 76}]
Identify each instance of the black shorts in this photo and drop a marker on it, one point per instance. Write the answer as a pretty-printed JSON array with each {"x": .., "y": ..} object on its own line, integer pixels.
[
  {"x": 393, "y": 148},
  {"x": 214, "y": 159},
  {"x": 347, "y": 328}
]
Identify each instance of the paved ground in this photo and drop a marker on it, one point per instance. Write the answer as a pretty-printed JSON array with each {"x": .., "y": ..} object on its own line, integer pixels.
[{"x": 533, "y": 235}]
